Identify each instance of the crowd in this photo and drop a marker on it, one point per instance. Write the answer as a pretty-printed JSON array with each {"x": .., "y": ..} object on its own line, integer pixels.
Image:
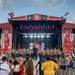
[{"x": 50, "y": 62}]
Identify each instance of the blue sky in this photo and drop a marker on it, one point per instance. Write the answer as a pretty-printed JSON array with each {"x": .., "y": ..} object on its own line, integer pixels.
[{"x": 47, "y": 7}]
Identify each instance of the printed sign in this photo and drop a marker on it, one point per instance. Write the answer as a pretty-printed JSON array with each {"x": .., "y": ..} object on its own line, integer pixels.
[{"x": 67, "y": 41}]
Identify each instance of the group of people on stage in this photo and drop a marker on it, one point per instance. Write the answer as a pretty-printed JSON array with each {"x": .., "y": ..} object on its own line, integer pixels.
[{"x": 35, "y": 53}]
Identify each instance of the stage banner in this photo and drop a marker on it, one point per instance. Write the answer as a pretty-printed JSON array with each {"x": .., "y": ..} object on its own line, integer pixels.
[
  {"x": 6, "y": 41},
  {"x": 37, "y": 17},
  {"x": 67, "y": 41},
  {"x": 73, "y": 40}
]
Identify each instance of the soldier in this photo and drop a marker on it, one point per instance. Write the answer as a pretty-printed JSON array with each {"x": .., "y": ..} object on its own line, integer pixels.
[
  {"x": 24, "y": 53},
  {"x": 12, "y": 52},
  {"x": 27, "y": 52},
  {"x": 58, "y": 53},
  {"x": 43, "y": 54},
  {"x": 17, "y": 54},
  {"x": 51, "y": 52},
  {"x": 55, "y": 54},
  {"x": 20, "y": 52},
  {"x": 47, "y": 52}
]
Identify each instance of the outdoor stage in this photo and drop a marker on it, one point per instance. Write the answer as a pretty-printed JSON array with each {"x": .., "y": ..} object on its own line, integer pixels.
[{"x": 47, "y": 31}]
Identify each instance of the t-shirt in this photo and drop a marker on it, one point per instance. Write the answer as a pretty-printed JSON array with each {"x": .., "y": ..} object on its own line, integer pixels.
[
  {"x": 6, "y": 68},
  {"x": 49, "y": 67}
]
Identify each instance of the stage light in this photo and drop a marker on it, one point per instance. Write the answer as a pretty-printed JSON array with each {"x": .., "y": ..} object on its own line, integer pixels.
[
  {"x": 38, "y": 27},
  {"x": 43, "y": 25},
  {"x": 25, "y": 36},
  {"x": 21, "y": 25},
  {"x": 53, "y": 27},
  {"x": 35, "y": 36},
  {"x": 42, "y": 36},
  {"x": 35, "y": 27},
  {"x": 31, "y": 36},
  {"x": 46, "y": 27},
  {"x": 47, "y": 36},
  {"x": 30, "y": 25},
  {"x": 27, "y": 27}
]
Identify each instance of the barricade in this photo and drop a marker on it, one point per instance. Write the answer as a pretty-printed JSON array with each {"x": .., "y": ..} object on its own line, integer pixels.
[{"x": 69, "y": 71}]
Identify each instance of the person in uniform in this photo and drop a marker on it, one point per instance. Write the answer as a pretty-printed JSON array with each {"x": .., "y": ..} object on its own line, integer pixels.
[
  {"x": 12, "y": 53},
  {"x": 17, "y": 54}
]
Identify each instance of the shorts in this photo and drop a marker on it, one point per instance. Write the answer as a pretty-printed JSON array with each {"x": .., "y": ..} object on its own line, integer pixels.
[{"x": 63, "y": 67}]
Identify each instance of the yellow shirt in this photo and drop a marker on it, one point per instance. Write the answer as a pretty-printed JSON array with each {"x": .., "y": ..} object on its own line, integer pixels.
[{"x": 49, "y": 68}]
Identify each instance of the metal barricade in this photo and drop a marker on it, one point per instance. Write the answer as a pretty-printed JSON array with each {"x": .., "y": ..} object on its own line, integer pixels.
[{"x": 69, "y": 71}]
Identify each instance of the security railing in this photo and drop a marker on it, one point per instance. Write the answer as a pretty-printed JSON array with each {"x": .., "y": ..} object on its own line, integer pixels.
[{"x": 69, "y": 71}]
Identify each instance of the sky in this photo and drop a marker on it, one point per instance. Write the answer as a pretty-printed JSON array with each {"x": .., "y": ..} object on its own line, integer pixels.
[{"x": 46, "y": 7}]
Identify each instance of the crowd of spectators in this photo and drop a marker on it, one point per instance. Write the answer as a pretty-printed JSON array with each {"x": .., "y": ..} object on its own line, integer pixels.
[{"x": 50, "y": 61}]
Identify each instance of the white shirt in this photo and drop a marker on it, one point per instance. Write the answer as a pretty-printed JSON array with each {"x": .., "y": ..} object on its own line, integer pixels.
[
  {"x": 16, "y": 68},
  {"x": 5, "y": 66}
]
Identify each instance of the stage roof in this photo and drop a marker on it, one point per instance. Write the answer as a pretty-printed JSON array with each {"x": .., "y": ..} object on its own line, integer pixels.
[
  {"x": 36, "y": 17},
  {"x": 35, "y": 20}
]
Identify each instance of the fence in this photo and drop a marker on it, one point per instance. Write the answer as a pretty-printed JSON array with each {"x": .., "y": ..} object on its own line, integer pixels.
[{"x": 69, "y": 71}]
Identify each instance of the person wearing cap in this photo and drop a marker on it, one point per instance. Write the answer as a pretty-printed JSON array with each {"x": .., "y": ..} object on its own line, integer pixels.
[{"x": 49, "y": 67}]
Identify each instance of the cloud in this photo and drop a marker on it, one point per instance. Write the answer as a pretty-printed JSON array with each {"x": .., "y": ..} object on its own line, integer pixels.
[
  {"x": 69, "y": 21},
  {"x": 74, "y": 18},
  {"x": 3, "y": 21},
  {"x": 13, "y": 4},
  {"x": 51, "y": 2}
]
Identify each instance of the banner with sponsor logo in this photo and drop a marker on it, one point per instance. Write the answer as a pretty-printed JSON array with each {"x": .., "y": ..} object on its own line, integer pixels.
[
  {"x": 6, "y": 38},
  {"x": 67, "y": 41},
  {"x": 37, "y": 17}
]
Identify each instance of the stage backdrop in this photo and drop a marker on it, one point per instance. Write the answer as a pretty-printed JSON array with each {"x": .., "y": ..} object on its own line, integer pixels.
[
  {"x": 67, "y": 40},
  {"x": 37, "y": 45}
]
